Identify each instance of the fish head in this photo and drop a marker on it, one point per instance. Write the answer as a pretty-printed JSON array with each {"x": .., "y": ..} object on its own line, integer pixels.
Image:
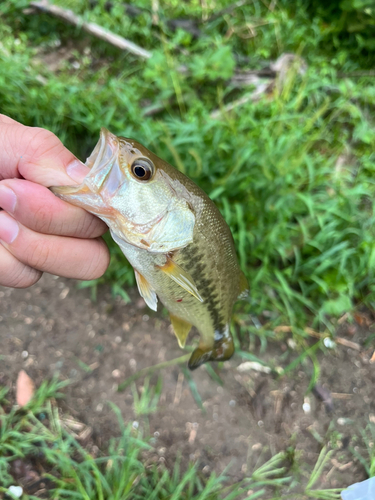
[{"x": 135, "y": 193}]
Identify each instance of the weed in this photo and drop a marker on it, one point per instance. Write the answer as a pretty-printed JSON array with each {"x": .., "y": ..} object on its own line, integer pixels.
[
  {"x": 36, "y": 434},
  {"x": 368, "y": 462},
  {"x": 147, "y": 401},
  {"x": 292, "y": 175}
]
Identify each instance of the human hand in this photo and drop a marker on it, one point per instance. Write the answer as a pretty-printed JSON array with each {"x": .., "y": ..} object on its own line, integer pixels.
[{"x": 38, "y": 231}]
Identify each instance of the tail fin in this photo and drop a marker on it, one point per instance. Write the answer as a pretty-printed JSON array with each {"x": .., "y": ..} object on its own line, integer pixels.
[{"x": 221, "y": 350}]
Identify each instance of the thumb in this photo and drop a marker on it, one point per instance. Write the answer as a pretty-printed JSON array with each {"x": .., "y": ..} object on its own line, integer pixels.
[{"x": 37, "y": 155}]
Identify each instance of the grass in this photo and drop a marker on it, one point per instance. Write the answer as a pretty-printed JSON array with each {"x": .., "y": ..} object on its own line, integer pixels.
[
  {"x": 293, "y": 175},
  {"x": 367, "y": 436},
  {"x": 147, "y": 402},
  {"x": 36, "y": 436}
]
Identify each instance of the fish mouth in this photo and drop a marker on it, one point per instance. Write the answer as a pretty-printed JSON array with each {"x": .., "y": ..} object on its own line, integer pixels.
[
  {"x": 104, "y": 151},
  {"x": 105, "y": 175},
  {"x": 102, "y": 181}
]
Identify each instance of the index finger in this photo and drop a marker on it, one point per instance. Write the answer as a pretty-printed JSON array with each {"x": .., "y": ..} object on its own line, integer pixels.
[
  {"x": 40, "y": 210},
  {"x": 37, "y": 155}
]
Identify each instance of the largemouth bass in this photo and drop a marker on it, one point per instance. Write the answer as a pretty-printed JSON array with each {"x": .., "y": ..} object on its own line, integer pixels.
[{"x": 172, "y": 234}]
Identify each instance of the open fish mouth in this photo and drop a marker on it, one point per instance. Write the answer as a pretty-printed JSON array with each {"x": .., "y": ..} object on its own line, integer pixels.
[
  {"x": 105, "y": 176},
  {"x": 103, "y": 180},
  {"x": 104, "y": 151}
]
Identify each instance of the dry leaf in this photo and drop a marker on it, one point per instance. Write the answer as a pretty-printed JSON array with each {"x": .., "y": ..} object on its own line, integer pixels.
[
  {"x": 25, "y": 388},
  {"x": 362, "y": 319}
]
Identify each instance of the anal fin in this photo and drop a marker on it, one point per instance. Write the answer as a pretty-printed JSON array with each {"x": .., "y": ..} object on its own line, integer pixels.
[
  {"x": 181, "y": 329},
  {"x": 181, "y": 277},
  {"x": 146, "y": 291},
  {"x": 244, "y": 286}
]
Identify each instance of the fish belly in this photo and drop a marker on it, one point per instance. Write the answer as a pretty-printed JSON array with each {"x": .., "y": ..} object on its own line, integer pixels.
[{"x": 175, "y": 298}]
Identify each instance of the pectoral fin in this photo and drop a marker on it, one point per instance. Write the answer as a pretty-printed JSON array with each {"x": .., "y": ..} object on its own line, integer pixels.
[
  {"x": 146, "y": 291},
  {"x": 181, "y": 329},
  {"x": 182, "y": 277},
  {"x": 221, "y": 350}
]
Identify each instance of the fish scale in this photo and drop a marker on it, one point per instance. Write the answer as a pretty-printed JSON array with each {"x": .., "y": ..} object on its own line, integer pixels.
[
  {"x": 173, "y": 235},
  {"x": 207, "y": 288}
]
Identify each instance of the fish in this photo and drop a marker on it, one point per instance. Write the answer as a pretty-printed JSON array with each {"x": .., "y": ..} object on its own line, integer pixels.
[{"x": 173, "y": 235}]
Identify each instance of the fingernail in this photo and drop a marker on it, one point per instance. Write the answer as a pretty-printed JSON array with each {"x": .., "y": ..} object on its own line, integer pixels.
[
  {"x": 77, "y": 170},
  {"x": 9, "y": 228},
  {"x": 8, "y": 199}
]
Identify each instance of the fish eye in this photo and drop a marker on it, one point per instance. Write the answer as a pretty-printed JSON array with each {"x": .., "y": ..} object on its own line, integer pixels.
[{"x": 142, "y": 169}]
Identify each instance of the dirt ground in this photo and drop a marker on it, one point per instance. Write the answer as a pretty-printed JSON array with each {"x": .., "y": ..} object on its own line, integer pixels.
[{"x": 55, "y": 327}]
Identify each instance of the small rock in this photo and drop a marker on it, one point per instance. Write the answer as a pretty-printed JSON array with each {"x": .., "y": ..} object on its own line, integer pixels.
[
  {"x": 306, "y": 407},
  {"x": 17, "y": 491},
  {"x": 292, "y": 344},
  {"x": 329, "y": 343},
  {"x": 253, "y": 365},
  {"x": 64, "y": 293},
  {"x": 341, "y": 421},
  {"x": 140, "y": 304}
]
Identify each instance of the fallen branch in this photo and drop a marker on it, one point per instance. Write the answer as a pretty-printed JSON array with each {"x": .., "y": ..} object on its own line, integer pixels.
[
  {"x": 338, "y": 340},
  {"x": 279, "y": 70},
  {"x": 341, "y": 395},
  {"x": 91, "y": 28},
  {"x": 244, "y": 78},
  {"x": 261, "y": 88},
  {"x": 227, "y": 10},
  {"x": 321, "y": 336},
  {"x": 356, "y": 74}
]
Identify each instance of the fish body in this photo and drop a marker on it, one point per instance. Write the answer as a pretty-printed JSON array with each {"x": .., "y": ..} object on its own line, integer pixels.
[{"x": 172, "y": 234}]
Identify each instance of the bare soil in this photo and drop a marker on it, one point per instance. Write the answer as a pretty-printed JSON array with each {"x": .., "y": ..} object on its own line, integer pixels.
[{"x": 54, "y": 327}]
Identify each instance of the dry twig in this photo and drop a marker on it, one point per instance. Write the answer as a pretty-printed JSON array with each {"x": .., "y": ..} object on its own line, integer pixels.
[
  {"x": 279, "y": 70},
  {"x": 91, "y": 28},
  {"x": 338, "y": 340},
  {"x": 261, "y": 88}
]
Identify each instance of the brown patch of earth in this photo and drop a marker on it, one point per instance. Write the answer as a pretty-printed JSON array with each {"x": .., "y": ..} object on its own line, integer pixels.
[{"x": 53, "y": 327}]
